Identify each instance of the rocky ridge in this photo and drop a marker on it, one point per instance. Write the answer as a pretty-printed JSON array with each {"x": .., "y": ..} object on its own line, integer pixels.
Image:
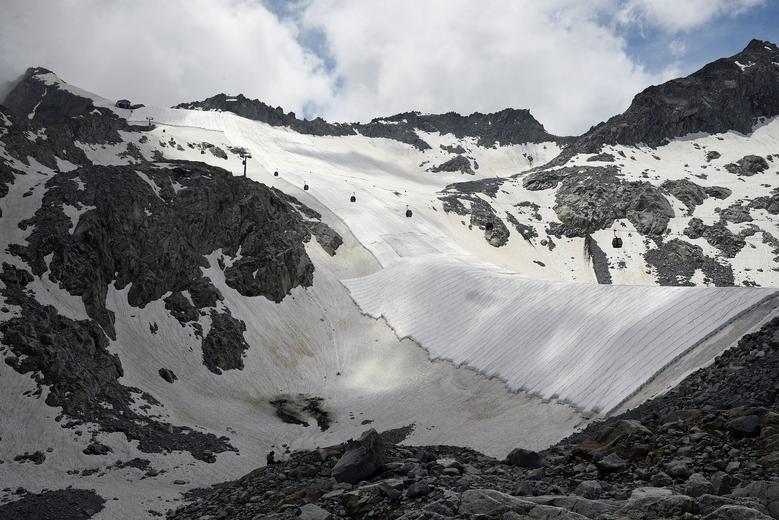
[
  {"x": 731, "y": 93},
  {"x": 707, "y": 449},
  {"x": 509, "y": 126},
  {"x": 149, "y": 227}
]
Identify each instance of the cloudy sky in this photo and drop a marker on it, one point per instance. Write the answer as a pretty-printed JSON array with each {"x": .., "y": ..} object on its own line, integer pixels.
[{"x": 572, "y": 63}]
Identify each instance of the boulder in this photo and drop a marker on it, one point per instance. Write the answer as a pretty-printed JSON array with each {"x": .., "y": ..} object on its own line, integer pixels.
[
  {"x": 524, "y": 458},
  {"x": 746, "y": 426},
  {"x": 698, "y": 485},
  {"x": 611, "y": 463},
  {"x": 168, "y": 375},
  {"x": 736, "y": 512},
  {"x": 678, "y": 469},
  {"x": 589, "y": 489},
  {"x": 418, "y": 489},
  {"x": 313, "y": 512},
  {"x": 363, "y": 459},
  {"x": 662, "y": 506},
  {"x": 748, "y": 165}
]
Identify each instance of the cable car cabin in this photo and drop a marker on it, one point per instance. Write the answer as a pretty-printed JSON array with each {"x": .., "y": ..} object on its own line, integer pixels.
[
  {"x": 305, "y": 187},
  {"x": 616, "y": 243},
  {"x": 276, "y": 173},
  {"x": 408, "y": 212},
  {"x": 353, "y": 198},
  {"x": 488, "y": 226}
]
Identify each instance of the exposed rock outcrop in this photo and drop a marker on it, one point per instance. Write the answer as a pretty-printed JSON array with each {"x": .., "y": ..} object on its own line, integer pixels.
[
  {"x": 727, "y": 94},
  {"x": 592, "y": 198},
  {"x": 509, "y": 126},
  {"x": 152, "y": 229}
]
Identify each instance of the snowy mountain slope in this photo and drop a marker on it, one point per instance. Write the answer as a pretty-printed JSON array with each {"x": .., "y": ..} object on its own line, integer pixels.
[
  {"x": 384, "y": 175},
  {"x": 219, "y": 360},
  {"x": 509, "y": 126},
  {"x": 313, "y": 353},
  {"x": 590, "y": 345},
  {"x": 692, "y": 209}
]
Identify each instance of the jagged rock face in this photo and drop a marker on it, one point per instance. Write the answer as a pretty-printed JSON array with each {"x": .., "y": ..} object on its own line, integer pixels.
[
  {"x": 592, "y": 198},
  {"x": 362, "y": 459},
  {"x": 508, "y": 126},
  {"x": 692, "y": 194},
  {"x": 676, "y": 262},
  {"x": 482, "y": 216},
  {"x": 63, "y": 504},
  {"x": 599, "y": 259},
  {"x": 45, "y": 102},
  {"x": 717, "y": 235},
  {"x": 727, "y": 94},
  {"x": 153, "y": 233},
  {"x": 458, "y": 163},
  {"x": 49, "y": 143},
  {"x": 748, "y": 165},
  {"x": 259, "y": 111},
  {"x": 72, "y": 360},
  {"x": 224, "y": 345}
]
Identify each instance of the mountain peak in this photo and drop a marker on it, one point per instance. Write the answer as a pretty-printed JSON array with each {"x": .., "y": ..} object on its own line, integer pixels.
[
  {"x": 729, "y": 94},
  {"x": 760, "y": 46},
  {"x": 507, "y": 126}
]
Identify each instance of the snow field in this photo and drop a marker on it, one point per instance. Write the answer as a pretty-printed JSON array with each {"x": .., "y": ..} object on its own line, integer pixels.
[{"x": 590, "y": 345}]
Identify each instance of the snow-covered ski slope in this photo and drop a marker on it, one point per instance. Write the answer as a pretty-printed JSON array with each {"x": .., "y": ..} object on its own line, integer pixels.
[
  {"x": 590, "y": 345},
  {"x": 386, "y": 177},
  {"x": 315, "y": 342},
  {"x": 444, "y": 286}
]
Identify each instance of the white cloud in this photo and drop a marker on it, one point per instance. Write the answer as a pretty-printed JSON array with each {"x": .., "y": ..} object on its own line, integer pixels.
[
  {"x": 677, "y": 47},
  {"x": 565, "y": 60},
  {"x": 163, "y": 52},
  {"x": 681, "y": 15},
  {"x": 552, "y": 57}
]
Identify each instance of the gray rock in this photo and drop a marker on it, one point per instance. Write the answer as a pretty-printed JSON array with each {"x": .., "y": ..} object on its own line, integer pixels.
[
  {"x": 97, "y": 448},
  {"x": 748, "y": 165},
  {"x": 678, "y": 469},
  {"x": 717, "y": 98},
  {"x": 709, "y": 503},
  {"x": 689, "y": 193},
  {"x": 575, "y": 504},
  {"x": 589, "y": 489},
  {"x": 676, "y": 261},
  {"x": 313, "y": 512},
  {"x": 663, "y": 506},
  {"x": 459, "y": 163},
  {"x": 767, "y": 492},
  {"x": 697, "y": 485},
  {"x": 418, "y": 489},
  {"x": 611, "y": 463},
  {"x": 592, "y": 198},
  {"x": 363, "y": 459},
  {"x": 491, "y": 503},
  {"x": 718, "y": 235},
  {"x": 736, "y": 213},
  {"x": 661, "y": 479},
  {"x": 736, "y": 512},
  {"x": 722, "y": 483},
  {"x": 524, "y": 458},
  {"x": 747, "y": 426},
  {"x": 168, "y": 375}
]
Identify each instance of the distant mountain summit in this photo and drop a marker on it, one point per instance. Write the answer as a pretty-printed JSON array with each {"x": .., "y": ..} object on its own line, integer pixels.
[
  {"x": 508, "y": 126},
  {"x": 728, "y": 94}
]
